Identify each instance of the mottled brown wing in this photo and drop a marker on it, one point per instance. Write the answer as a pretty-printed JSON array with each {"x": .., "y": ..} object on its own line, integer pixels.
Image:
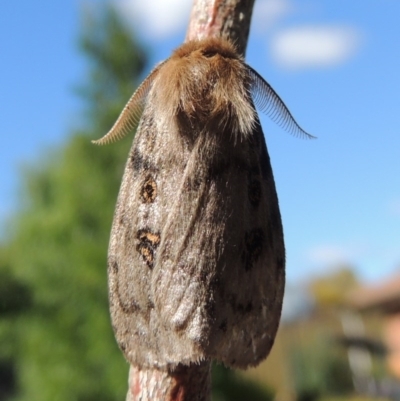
[
  {"x": 218, "y": 277},
  {"x": 151, "y": 178},
  {"x": 196, "y": 257}
]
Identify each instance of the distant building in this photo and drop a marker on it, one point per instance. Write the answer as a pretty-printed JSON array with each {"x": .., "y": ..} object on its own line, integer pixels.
[{"x": 383, "y": 298}]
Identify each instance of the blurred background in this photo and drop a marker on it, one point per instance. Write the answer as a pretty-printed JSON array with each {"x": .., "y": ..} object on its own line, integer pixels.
[{"x": 68, "y": 68}]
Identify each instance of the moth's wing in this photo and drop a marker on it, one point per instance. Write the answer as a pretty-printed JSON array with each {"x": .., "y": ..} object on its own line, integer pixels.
[
  {"x": 218, "y": 277},
  {"x": 196, "y": 256},
  {"x": 141, "y": 212}
]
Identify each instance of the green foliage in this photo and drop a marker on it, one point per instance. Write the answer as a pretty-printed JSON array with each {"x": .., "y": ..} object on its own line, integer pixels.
[
  {"x": 106, "y": 43},
  {"x": 331, "y": 290},
  {"x": 15, "y": 297},
  {"x": 54, "y": 322},
  {"x": 228, "y": 386},
  {"x": 320, "y": 369}
]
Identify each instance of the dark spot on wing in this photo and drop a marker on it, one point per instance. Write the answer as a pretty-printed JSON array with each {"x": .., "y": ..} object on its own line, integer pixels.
[
  {"x": 148, "y": 192},
  {"x": 128, "y": 307},
  {"x": 114, "y": 267},
  {"x": 280, "y": 263},
  {"x": 253, "y": 247},
  {"x": 147, "y": 246},
  {"x": 140, "y": 162},
  {"x": 248, "y": 308},
  {"x": 254, "y": 192},
  {"x": 223, "y": 326}
]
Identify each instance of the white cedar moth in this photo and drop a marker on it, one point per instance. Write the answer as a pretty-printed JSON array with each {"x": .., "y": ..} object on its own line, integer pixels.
[{"x": 196, "y": 258}]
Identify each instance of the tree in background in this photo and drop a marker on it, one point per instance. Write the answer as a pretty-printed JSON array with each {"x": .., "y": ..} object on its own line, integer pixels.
[
  {"x": 55, "y": 332},
  {"x": 318, "y": 360},
  {"x": 56, "y": 341},
  {"x": 331, "y": 290}
]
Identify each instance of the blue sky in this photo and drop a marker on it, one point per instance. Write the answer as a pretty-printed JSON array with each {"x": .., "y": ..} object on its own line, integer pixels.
[{"x": 335, "y": 64}]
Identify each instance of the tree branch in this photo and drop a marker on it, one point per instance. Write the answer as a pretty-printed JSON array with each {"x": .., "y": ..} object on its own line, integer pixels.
[
  {"x": 229, "y": 19},
  {"x": 186, "y": 383}
]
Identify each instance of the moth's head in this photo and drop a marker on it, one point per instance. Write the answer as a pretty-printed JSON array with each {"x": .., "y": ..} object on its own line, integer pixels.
[
  {"x": 206, "y": 83},
  {"x": 210, "y": 48}
]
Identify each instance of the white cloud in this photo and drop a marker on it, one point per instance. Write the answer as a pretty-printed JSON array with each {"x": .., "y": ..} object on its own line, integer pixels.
[
  {"x": 160, "y": 18},
  {"x": 157, "y": 18},
  {"x": 267, "y": 13},
  {"x": 314, "y": 46},
  {"x": 330, "y": 255}
]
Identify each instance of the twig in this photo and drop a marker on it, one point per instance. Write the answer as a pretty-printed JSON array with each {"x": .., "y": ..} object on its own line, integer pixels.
[
  {"x": 229, "y": 19},
  {"x": 183, "y": 384}
]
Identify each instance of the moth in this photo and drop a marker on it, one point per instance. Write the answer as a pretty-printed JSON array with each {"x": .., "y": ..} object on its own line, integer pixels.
[{"x": 196, "y": 259}]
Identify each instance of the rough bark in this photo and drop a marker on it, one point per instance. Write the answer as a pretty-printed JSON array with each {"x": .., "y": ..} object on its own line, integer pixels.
[
  {"x": 185, "y": 383},
  {"x": 229, "y": 19}
]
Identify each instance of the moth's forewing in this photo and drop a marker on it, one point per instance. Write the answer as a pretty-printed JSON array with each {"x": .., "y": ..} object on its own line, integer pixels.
[{"x": 196, "y": 257}]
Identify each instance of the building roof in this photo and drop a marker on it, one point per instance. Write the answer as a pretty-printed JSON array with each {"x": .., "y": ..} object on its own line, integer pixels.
[{"x": 384, "y": 296}]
